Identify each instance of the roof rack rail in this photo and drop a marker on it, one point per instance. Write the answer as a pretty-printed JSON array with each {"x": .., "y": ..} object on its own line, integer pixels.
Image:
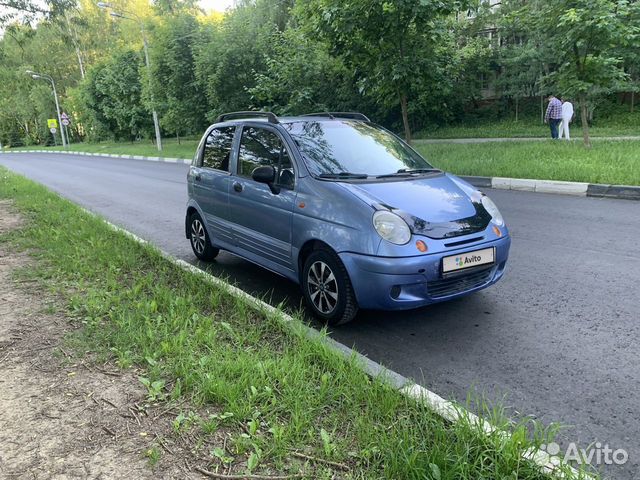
[
  {"x": 332, "y": 115},
  {"x": 271, "y": 117}
]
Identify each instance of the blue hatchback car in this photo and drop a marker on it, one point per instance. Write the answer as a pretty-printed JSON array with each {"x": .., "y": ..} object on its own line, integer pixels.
[{"x": 344, "y": 208}]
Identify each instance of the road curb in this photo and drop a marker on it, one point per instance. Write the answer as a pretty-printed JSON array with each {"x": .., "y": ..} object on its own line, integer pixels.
[
  {"x": 626, "y": 192},
  {"x": 449, "y": 411}
]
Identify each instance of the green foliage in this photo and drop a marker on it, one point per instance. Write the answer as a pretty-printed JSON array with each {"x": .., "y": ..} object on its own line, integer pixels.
[
  {"x": 112, "y": 96},
  {"x": 235, "y": 52},
  {"x": 301, "y": 76},
  {"x": 395, "y": 48},
  {"x": 580, "y": 38},
  {"x": 175, "y": 91},
  {"x": 408, "y": 64}
]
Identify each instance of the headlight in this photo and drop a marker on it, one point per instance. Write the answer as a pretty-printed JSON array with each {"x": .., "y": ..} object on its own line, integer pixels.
[
  {"x": 491, "y": 207},
  {"x": 391, "y": 227}
]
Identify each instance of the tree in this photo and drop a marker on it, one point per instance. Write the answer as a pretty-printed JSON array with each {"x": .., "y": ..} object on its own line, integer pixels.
[
  {"x": 390, "y": 45},
  {"x": 176, "y": 91},
  {"x": 301, "y": 77},
  {"x": 233, "y": 53},
  {"x": 112, "y": 97},
  {"x": 630, "y": 52},
  {"x": 582, "y": 35}
]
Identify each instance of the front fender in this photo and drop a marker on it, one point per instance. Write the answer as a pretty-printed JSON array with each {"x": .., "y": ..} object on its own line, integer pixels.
[{"x": 327, "y": 212}]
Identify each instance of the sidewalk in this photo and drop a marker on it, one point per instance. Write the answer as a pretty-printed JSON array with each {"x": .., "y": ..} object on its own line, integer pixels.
[{"x": 510, "y": 139}]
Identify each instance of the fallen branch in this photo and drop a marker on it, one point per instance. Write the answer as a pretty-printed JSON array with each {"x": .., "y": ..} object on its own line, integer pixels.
[
  {"x": 221, "y": 476},
  {"x": 164, "y": 445},
  {"x": 109, "y": 402},
  {"x": 135, "y": 416},
  {"x": 340, "y": 466}
]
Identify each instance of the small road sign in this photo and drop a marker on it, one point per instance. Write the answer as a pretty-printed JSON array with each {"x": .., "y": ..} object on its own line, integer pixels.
[
  {"x": 64, "y": 117},
  {"x": 53, "y": 130},
  {"x": 52, "y": 123},
  {"x": 65, "y": 122}
]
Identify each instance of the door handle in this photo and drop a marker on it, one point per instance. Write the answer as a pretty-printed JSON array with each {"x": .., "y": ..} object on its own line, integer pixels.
[
  {"x": 198, "y": 177},
  {"x": 237, "y": 186}
]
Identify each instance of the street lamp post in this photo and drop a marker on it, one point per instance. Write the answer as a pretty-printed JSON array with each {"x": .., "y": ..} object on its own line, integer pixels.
[
  {"x": 133, "y": 17},
  {"x": 37, "y": 76}
]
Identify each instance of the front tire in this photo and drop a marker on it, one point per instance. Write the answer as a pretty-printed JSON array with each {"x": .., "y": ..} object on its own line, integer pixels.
[
  {"x": 327, "y": 288},
  {"x": 200, "y": 241}
]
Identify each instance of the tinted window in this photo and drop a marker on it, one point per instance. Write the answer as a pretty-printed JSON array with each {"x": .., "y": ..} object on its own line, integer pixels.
[
  {"x": 217, "y": 148},
  {"x": 260, "y": 147},
  {"x": 336, "y": 146}
]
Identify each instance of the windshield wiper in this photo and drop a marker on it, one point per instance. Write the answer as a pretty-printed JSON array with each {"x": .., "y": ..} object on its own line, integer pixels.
[
  {"x": 343, "y": 175},
  {"x": 406, "y": 172}
]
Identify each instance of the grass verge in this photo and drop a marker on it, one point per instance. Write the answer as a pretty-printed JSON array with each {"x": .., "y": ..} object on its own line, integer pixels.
[
  {"x": 170, "y": 148},
  {"x": 621, "y": 125},
  {"x": 610, "y": 162},
  {"x": 279, "y": 391}
]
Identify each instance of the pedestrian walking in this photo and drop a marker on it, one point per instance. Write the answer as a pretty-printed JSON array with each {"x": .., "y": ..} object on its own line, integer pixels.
[
  {"x": 567, "y": 117},
  {"x": 553, "y": 115}
]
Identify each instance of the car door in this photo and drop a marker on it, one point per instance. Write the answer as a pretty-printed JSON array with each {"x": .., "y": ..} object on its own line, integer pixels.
[
  {"x": 211, "y": 178},
  {"x": 261, "y": 219}
]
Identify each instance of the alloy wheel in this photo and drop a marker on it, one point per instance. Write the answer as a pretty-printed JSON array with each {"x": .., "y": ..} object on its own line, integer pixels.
[
  {"x": 198, "y": 236},
  {"x": 323, "y": 287}
]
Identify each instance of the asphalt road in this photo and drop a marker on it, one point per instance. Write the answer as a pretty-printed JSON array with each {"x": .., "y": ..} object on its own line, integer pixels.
[{"x": 558, "y": 335}]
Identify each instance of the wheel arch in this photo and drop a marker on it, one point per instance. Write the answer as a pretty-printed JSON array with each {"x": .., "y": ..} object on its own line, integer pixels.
[
  {"x": 190, "y": 210},
  {"x": 306, "y": 249}
]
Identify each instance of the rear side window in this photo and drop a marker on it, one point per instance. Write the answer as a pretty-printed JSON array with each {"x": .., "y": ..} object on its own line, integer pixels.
[
  {"x": 260, "y": 147},
  {"x": 217, "y": 148}
]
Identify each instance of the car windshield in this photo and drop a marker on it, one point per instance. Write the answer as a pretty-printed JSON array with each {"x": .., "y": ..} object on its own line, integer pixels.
[{"x": 343, "y": 149}]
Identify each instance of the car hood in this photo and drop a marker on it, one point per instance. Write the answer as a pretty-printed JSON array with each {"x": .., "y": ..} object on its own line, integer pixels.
[{"x": 438, "y": 206}]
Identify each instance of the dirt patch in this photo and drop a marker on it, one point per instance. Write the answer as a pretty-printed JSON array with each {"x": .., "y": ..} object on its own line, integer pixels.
[
  {"x": 9, "y": 220},
  {"x": 62, "y": 418}
]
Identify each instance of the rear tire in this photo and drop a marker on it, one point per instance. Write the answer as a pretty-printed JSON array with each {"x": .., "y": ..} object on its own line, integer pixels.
[
  {"x": 327, "y": 288},
  {"x": 200, "y": 241}
]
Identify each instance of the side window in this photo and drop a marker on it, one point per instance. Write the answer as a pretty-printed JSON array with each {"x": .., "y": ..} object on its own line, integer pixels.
[
  {"x": 217, "y": 148},
  {"x": 260, "y": 147}
]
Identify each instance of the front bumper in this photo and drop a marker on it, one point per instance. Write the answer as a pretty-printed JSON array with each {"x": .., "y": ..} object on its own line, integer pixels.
[{"x": 400, "y": 283}]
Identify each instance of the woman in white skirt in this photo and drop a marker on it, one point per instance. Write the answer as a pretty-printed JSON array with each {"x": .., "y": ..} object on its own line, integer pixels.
[{"x": 567, "y": 116}]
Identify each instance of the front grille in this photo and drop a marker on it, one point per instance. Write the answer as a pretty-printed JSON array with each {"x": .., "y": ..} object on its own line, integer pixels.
[
  {"x": 458, "y": 284},
  {"x": 463, "y": 242}
]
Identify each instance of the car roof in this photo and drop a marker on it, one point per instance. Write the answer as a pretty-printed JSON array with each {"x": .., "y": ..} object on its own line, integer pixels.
[{"x": 268, "y": 117}]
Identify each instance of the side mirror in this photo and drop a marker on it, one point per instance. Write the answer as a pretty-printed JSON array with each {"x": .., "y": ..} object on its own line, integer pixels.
[{"x": 266, "y": 175}]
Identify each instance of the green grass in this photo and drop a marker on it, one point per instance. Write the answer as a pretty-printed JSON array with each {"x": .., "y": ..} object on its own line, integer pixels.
[
  {"x": 279, "y": 390},
  {"x": 170, "y": 148},
  {"x": 609, "y": 162},
  {"x": 621, "y": 125}
]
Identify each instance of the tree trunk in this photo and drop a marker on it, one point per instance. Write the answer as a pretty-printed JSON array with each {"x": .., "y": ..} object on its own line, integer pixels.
[
  {"x": 633, "y": 94},
  {"x": 405, "y": 117},
  {"x": 178, "y": 137},
  {"x": 585, "y": 122},
  {"x": 76, "y": 45},
  {"x": 80, "y": 64},
  {"x": 516, "y": 109},
  {"x": 541, "y": 109}
]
